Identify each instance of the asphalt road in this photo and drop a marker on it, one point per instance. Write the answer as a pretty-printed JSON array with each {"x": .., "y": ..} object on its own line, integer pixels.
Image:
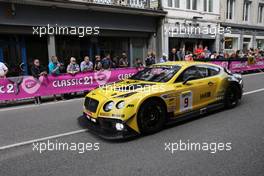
[{"x": 243, "y": 127}]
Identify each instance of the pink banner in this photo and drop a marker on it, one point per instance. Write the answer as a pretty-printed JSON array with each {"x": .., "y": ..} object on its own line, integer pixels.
[
  {"x": 27, "y": 86},
  {"x": 240, "y": 66}
]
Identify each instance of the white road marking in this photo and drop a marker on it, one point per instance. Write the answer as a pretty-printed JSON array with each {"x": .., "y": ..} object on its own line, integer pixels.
[
  {"x": 254, "y": 91},
  {"x": 253, "y": 74},
  {"x": 36, "y": 106},
  {"x": 78, "y": 131},
  {"x": 42, "y": 139}
]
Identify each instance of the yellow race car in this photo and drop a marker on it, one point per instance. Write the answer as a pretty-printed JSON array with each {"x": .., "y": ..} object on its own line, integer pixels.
[{"x": 158, "y": 95}]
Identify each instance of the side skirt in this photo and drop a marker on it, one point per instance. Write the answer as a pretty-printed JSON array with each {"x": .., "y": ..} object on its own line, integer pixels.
[{"x": 195, "y": 113}]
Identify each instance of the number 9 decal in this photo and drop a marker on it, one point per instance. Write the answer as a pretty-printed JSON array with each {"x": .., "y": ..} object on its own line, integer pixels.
[{"x": 186, "y": 101}]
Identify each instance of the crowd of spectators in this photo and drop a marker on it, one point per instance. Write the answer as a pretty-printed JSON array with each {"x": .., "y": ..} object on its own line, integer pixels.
[
  {"x": 55, "y": 67},
  {"x": 201, "y": 53}
]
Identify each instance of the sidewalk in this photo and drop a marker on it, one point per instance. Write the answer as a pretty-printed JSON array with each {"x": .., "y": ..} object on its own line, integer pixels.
[{"x": 30, "y": 101}]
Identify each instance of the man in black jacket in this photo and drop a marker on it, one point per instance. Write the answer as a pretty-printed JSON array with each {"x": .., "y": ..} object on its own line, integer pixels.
[
  {"x": 173, "y": 55},
  {"x": 36, "y": 71}
]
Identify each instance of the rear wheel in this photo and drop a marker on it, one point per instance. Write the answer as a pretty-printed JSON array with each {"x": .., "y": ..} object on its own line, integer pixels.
[
  {"x": 151, "y": 116},
  {"x": 231, "y": 97}
]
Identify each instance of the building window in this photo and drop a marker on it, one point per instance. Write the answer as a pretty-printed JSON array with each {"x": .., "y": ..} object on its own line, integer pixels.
[
  {"x": 230, "y": 8},
  {"x": 194, "y": 4},
  {"x": 188, "y": 4},
  {"x": 191, "y": 4},
  {"x": 231, "y": 43},
  {"x": 246, "y": 44},
  {"x": 260, "y": 13},
  {"x": 208, "y": 5},
  {"x": 169, "y": 3},
  {"x": 260, "y": 43},
  {"x": 177, "y": 3},
  {"x": 246, "y": 10},
  {"x": 174, "y": 3}
]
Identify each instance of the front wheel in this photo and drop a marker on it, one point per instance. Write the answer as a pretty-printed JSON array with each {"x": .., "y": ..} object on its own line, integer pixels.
[
  {"x": 151, "y": 116},
  {"x": 231, "y": 97}
]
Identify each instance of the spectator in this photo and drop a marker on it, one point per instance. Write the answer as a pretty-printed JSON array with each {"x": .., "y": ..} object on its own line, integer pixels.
[
  {"x": 151, "y": 59},
  {"x": 97, "y": 63},
  {"x": 199, "y": 50},
  {"x": 115, "y": 62},
  {"x": 163, "y": 58},
  {"x": 107, "y": 62},
  {"x": 54, "y": 69},
  {"x": 54, "y": 66},
  {"x": 226, "y": 55},
  {"x": 189, "y": 57},
  {"x": 147, "y": 60},
  {"x": 139, "y": 63},
  {"x": 3, "y": 70},
  {"x": 214, "y": 55},
  {"x": 238, "y": 54},
  {"x": 181, "y": 54},
  {"x": 37, "y": 70},
  {"x": 220, "y": 55},
  {"x": 201, "y": 56},
  {"x": 73, "y": 67},
  {"x": 207, "y": 52},
  {"x": 86, "y": 64},
  {"x": 123, "y": 61},
  {"x": 173, "y": 55}
]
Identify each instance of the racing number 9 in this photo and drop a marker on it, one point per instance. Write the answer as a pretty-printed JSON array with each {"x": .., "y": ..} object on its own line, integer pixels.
[{"x": 186, "y": 101}]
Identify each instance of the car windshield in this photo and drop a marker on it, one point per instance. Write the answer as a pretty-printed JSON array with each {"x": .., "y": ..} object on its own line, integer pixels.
[{"x": 156, "y": 73}]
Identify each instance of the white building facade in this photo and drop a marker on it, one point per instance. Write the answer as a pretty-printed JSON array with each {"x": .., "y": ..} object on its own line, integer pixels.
[
  {"x": 190, "y": 14},
  {"x": 243, "y": 18},
  {"x": 246, "y": 17}
]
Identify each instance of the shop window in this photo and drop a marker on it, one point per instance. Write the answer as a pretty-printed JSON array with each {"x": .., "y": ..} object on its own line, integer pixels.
[
  {"x": 138, "y": 46},
  {"x": 260, "y": 43},
  {"x": 228, "y": 43},
  {"x": 246, "y": 44}
]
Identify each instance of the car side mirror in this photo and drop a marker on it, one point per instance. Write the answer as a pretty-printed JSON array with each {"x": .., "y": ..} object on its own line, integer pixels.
[{"x": 189, "y": 79}]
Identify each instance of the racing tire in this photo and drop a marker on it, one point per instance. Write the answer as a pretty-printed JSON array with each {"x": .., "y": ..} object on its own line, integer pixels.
[
  {"x": 231, "y": 97},
  {"x": 151, "y": 116}
]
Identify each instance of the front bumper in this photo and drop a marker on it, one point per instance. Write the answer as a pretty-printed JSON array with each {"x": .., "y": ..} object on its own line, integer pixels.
[{"x": 105, "y": 128}]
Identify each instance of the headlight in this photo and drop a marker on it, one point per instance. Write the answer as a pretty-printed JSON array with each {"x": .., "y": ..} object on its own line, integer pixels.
[
  {"x": 108, "y": 106},
  {"x": 119, "y": 126},
  {"x": 120, "y": 104}
]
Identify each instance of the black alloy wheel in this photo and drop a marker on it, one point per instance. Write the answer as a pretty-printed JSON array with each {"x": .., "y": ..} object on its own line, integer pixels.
[{"x": 151, "y": 116}]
